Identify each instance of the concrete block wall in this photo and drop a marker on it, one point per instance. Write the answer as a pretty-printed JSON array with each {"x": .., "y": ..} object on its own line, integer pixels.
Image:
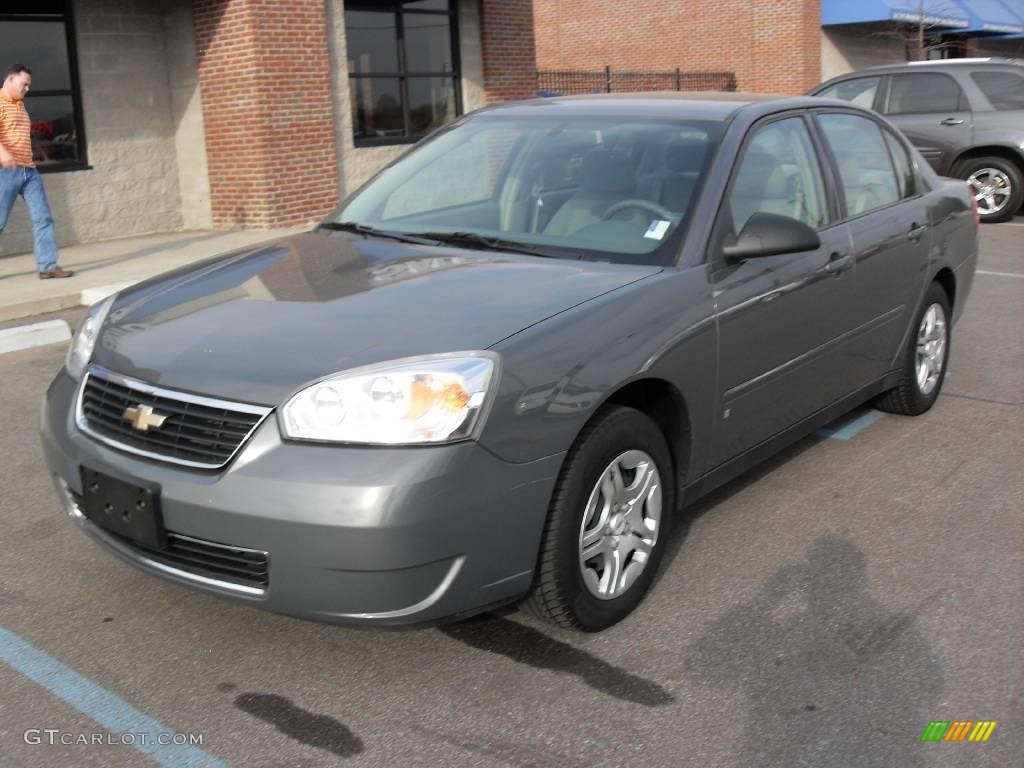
[
  {"x": 133, "y": 185},
  {"x": 772, "y": 47},
  {"x": 850, "y": 47},
  {"x": 187, "y": 116}
]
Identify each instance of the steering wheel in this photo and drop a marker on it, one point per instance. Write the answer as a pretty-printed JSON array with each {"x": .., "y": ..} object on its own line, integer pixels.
[{"x": 646, "y": 205}]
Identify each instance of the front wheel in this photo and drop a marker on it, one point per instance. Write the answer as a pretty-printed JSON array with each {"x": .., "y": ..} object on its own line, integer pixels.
[
  {"x": 924, "y": 360},
  {"x": 607, "y": 525}
]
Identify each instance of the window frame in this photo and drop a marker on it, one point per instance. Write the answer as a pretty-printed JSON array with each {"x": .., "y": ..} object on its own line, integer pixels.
[
  {"x": 919, "y": 187},
  {"x": 75, "y": 90},
  {"x": 723, "y": 218},
  {"x": 398, "y": 10},
  {"x": 963, "y": 105}
]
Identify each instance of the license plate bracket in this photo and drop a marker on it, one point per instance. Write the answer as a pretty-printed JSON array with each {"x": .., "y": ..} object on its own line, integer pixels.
[{"x": 129, "y": 509}]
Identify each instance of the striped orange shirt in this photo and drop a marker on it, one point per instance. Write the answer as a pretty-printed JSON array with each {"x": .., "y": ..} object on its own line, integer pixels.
[{"x": 16, "y": 130}]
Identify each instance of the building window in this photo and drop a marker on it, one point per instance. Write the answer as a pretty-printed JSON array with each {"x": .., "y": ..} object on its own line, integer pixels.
[
  {"x": 40, "y": 35},
  {"x": 403, "y": 69}
]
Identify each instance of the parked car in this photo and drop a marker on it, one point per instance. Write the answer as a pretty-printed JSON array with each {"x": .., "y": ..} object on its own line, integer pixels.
[
  {"x": 498, "y": 369},
  {"x": 965, "y": 116}
]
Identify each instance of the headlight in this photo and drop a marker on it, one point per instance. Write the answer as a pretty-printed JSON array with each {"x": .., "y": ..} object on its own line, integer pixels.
[
  {"x": 85, "y": 337},
  {"x": 432, "y": 399}
]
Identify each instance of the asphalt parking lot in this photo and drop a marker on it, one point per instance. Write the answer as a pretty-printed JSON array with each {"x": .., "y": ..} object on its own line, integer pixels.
[{"x": 819, "y": 611}]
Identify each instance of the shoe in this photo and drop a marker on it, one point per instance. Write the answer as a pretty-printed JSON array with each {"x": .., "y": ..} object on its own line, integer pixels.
[{"x": 55, "y": 272}]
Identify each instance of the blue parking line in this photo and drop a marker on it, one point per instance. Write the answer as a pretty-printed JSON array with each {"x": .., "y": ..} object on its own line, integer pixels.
[
  {"x": 848, "y": 431},
  {"x": 106, "y": 708}
]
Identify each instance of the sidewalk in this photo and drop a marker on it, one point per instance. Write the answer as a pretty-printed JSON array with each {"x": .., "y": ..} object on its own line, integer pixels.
[{"x": 109, "y": 265}]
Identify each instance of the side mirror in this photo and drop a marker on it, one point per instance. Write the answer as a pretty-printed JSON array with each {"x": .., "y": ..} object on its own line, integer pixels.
[{"x": 767, "y": 234}]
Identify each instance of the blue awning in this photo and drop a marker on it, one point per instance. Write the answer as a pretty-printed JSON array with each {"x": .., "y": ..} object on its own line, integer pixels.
[
  {"x": 944, "y": 14},
  {"x": 994, "y": 16}
]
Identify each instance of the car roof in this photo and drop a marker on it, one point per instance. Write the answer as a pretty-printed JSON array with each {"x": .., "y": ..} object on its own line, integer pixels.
[
  {"x": 947, "y": 64},
  {"x": 701, "y": 105}
]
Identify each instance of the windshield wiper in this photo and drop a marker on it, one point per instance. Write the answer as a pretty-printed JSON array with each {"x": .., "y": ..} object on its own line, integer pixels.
[
  {"x": 364, "y": 229},
  {"x": 472, "y": 239}
]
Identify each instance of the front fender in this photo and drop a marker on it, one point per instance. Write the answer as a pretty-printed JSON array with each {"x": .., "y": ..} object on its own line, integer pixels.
[{"x": 557, "y": 374}]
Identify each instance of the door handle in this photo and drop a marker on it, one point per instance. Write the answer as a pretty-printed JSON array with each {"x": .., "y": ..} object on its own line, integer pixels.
[
  {"x": 952, "y": 121},
  {"x": 838, "y": 262},
  {"x": 915, "y": 233}
]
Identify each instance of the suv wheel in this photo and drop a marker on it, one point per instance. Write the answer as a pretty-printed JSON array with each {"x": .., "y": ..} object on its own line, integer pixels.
[{"x": 997, "y": 184}]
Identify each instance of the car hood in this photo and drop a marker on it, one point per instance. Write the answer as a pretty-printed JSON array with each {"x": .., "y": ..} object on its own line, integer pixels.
[{"x": 255, "y": 325}]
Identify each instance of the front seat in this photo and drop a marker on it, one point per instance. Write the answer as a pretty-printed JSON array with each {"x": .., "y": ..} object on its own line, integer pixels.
[
  {"x": 605, "y": 178},
  {"x": 684, "y": 159}
]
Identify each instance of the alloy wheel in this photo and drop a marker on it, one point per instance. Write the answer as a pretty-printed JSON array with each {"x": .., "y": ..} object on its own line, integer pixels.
[
  {"x": 991, "y": 188},
  {"x": 620, "y": 524},
  {"x": 931, "y": 348}
]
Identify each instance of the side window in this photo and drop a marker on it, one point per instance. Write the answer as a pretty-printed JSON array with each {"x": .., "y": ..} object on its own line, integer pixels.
[
  {"x": 861, "y": 91},
  {"x": 924, "y": 92},
  {"x": 444, "y": 183},
  {"x": 865, "y": 169},
  {"x": 904, "y": 167},
  {"x": 780, "y": 174},
  {"x": 1004, "y": 90}
]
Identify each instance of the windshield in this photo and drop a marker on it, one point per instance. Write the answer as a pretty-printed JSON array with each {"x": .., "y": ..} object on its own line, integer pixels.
[{"x": 584, "y": 187}]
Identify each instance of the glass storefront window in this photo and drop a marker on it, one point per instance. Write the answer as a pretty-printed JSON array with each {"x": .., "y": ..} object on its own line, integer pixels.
[
  {"x": 403, "y": 68},
  {"x": 39, "y": 35}
]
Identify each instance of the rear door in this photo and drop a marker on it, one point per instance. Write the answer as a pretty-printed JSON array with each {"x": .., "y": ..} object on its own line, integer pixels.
[
  {"x": 779, "y": 317},
  {"x": 884, "y": 202},
  {"x": 932, "y": 111}
]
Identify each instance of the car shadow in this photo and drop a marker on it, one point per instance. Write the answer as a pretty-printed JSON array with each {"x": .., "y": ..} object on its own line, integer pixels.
[{"x": 831, "y": 676}]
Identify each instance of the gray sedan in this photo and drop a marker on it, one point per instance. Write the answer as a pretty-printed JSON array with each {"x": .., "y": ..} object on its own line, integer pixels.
[{"x": 497, "y": 371}]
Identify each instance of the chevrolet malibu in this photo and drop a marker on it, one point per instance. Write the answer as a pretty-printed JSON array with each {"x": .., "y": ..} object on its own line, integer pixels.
[{"x": 497, "y": 370}]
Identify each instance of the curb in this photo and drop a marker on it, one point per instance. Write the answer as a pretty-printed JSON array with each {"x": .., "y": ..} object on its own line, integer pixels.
[
  {"x": 81, "y": 298},
  {"x": 34, "y": 335}
]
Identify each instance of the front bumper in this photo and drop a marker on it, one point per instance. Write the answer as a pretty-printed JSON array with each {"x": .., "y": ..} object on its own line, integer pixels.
[{"x": 352, "y": 535}]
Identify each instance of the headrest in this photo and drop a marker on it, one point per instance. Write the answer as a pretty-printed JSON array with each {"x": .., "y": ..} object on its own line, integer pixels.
[
  {"x": 686, "y": 155},
  {"x": 604, "y": 171}
]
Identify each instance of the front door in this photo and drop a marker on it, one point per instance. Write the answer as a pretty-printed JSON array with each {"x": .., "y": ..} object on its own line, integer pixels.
[{"x": 779, "y": 317}]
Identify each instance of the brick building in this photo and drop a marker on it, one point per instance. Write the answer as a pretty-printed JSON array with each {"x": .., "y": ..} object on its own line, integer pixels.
[
  {"x": 772, "y": 46},
  {"x": 155, "y": 115}
]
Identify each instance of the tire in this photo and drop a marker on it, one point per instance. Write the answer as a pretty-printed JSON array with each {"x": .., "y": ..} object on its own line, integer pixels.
[
  {"x": 910, "y": 397},
  {"x": 567, "y": 588},
  {"x": 997, "y": 171}
]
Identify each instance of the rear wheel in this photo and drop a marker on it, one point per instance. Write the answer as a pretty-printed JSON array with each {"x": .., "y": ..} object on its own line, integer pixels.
[
  {"x": 924, "y": 360},
  {"x": 605, "y": 532},
  {"x": 997, "y": 185}
]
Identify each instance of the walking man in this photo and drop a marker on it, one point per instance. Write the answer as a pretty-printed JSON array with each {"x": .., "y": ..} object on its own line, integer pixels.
[{"x": 18, "y": 174}]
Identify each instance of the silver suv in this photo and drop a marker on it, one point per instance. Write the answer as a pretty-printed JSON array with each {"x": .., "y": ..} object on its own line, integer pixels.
[{"x": 966, "y": 116}]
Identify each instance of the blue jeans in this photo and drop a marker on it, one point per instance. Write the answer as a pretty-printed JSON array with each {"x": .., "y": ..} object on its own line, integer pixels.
[{"x": 29, "y": 184}]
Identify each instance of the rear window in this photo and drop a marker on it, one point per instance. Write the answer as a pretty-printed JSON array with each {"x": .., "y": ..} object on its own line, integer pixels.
[
  {"x": 921, "y": 93},
  {"x": 1005, "y": 90}
]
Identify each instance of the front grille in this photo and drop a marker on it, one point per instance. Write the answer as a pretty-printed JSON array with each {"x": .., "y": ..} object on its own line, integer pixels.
[
  {"x": 201, "y": 557},
  {"x": 213, "y": 560},
  {"x": 198, "y": 431}
]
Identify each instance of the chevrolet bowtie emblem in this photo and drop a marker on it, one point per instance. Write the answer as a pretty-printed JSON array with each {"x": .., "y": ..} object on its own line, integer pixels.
[{"x": 142, "y": 417}]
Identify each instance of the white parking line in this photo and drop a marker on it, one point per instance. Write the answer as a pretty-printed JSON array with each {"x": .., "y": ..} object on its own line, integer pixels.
[
  {"x": 34, "y": 335},
  {"x": 997, "y": 274}
]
